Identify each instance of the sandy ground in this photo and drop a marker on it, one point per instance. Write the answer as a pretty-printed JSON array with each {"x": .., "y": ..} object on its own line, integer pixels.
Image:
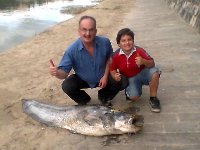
[{"x": 25, "y": 74}]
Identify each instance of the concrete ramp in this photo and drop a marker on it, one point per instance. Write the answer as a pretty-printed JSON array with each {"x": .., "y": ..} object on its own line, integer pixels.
[{"x": 175, "y": 45}]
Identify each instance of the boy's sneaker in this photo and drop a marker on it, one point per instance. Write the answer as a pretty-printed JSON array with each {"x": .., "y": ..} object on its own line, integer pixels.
[
  {"x": 154, "y": 104},
  {"x": 128, "y": 99}
]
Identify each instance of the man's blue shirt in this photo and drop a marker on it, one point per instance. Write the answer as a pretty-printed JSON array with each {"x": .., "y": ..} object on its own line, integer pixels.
[{"x": 88, "y": 68}]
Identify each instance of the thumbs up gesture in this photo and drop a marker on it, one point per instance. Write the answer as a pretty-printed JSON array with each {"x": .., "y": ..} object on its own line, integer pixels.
[
  {"x": 53, "y": 69},
  {"x": 117, "y": 75},
  {"x": 51, "y": 63},
  {"x": 138, "y": 60}
]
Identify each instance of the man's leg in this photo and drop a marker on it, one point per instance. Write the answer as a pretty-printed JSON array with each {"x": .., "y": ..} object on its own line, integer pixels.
[
  {"x": 72, "y": 87},
  {"x": 112, "y": 88}
]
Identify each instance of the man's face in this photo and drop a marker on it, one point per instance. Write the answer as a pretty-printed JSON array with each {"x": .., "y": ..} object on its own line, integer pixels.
[
  {"x": 87, "y": 30},
  {"x": 126, "y": 43}
]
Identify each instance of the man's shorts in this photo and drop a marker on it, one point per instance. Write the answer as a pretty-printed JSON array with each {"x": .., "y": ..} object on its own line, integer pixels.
[{"x": 143, "y": 78}]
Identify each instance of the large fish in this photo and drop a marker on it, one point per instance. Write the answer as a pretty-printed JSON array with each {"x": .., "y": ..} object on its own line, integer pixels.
[{"x": 95, "y": 120}]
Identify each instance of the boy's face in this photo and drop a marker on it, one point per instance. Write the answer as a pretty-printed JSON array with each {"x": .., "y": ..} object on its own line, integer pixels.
[{"x": 126, "y": 43}]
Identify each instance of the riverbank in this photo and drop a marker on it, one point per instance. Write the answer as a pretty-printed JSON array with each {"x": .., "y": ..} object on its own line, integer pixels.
[
  {"x": 25, "y": 74},
  {"x": 24, "y": 20}
]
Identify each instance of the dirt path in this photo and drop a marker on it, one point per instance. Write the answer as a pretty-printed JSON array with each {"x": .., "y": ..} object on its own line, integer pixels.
[{"x": 25, "y": 74}]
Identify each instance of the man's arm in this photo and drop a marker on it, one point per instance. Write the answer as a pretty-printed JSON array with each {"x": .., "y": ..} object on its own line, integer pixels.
[
  {"x": 58, "y": 73},
  {"x": 103, "y": 81},
  {"x": 107, "y": 68}
]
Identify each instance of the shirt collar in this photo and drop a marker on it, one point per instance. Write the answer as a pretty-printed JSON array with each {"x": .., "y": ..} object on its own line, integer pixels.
[
  {"x": 121, "y": 52},
  {"x": 81, "y": 46}
]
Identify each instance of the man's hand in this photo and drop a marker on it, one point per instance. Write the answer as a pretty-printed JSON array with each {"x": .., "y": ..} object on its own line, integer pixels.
[
  {"x": 103, "y": 81},
  {"x": 53, "y": 68}
]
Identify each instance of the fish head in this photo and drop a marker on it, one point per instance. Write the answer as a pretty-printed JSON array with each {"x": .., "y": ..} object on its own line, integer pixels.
[{"x": 129, "y": 123}]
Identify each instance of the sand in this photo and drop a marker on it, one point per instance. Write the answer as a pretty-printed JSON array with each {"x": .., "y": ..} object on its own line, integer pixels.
[{"x": 25, "y": 74}]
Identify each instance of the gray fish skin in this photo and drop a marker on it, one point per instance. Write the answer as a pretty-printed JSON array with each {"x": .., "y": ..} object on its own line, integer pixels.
[{"x": 94, "y": 120}]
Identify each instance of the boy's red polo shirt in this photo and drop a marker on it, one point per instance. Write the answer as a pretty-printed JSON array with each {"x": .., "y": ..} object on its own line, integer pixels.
[{"x": 126, "y": 64}]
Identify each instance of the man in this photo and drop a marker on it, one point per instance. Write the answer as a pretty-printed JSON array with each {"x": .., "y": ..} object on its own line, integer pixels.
[
  {"x": 138, "y": 66},
  {"x": 89, "y": 57}
]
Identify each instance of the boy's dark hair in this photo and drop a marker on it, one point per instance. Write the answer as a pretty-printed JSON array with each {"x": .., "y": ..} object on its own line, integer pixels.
[
  {"x": 124, "y": 31},
  {"x": 88, "y": 17}
]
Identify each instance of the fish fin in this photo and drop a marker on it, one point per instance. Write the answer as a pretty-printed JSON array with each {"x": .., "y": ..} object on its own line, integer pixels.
[{"x": 92, "y": 120}]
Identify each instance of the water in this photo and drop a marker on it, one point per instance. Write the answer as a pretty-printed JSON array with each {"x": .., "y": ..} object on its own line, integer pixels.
[{"x": 22, "y": 19}]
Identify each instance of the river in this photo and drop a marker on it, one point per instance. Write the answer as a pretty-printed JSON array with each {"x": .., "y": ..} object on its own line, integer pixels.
[{"x": 23, "y": 19}]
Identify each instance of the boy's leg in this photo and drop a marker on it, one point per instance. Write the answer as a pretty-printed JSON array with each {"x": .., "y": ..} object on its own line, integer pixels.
[
  {"x": 72, "y": 87},
  {"x": 148, "y": 76},
  {"x": 153, "y": 85},
  {"x": 134, "y": 90}
]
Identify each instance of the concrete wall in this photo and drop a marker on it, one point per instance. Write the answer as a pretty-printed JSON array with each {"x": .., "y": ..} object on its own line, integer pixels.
[{"x": 189, "y": 10}]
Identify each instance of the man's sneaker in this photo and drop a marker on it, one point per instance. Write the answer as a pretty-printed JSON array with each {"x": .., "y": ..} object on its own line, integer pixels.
[
  {"x": 82, "y": 103},
  {"x": 105, "y": 102},
  {"x": 154, "y": 104},
  {"x": 108, "y": 103}
]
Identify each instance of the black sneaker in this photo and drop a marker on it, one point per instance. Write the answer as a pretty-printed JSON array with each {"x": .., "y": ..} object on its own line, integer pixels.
[
  {"x": 105, "y": 101},
  {"x": 154, "y": 104},
  {"x": 102, "y": 100},
  {"x": 108, "y": 103},
  {"x": 82, "y": 103}
]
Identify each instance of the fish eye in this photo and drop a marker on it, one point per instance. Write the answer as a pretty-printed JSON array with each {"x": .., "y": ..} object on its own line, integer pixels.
[
  {"x": 133, "y": 121},
  {"x": 138, "y": 121}
]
